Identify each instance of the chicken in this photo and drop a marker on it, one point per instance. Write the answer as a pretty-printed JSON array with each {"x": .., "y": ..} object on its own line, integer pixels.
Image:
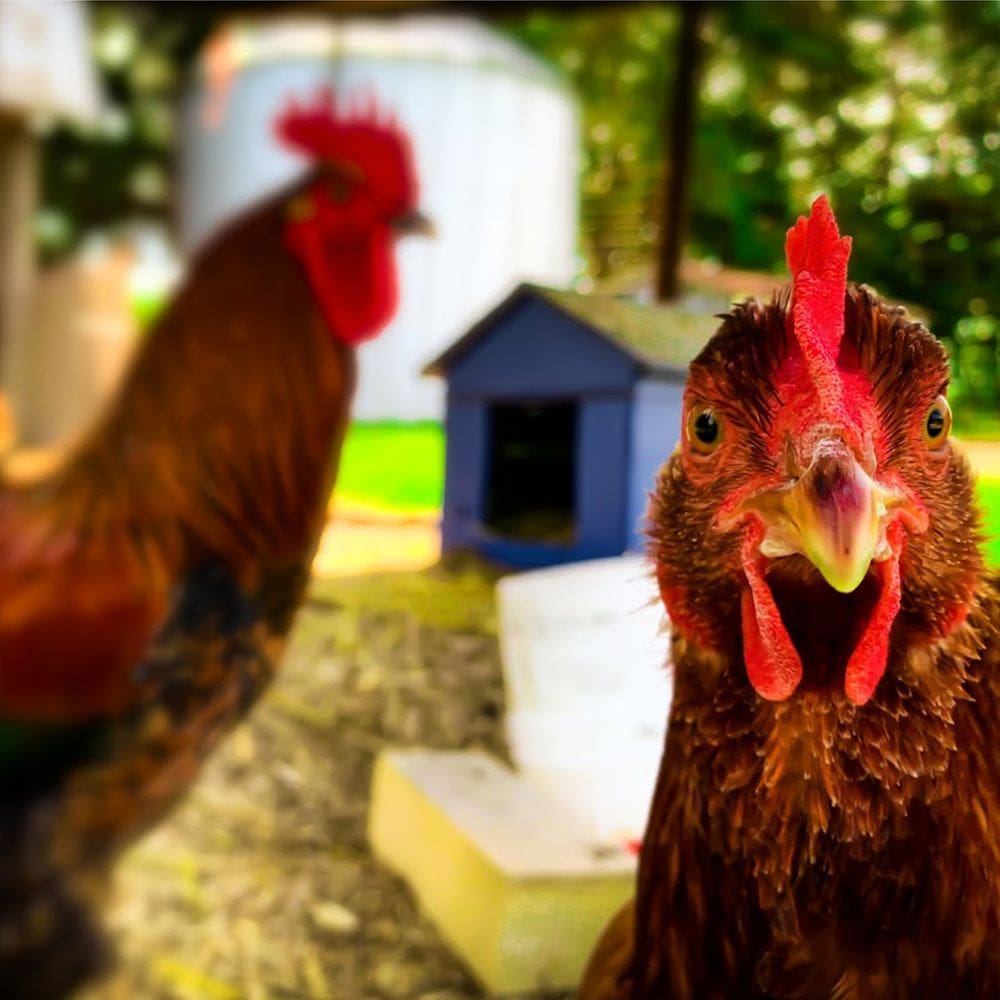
[
  {"x": 146, "y": 586},
  {"x": 826, "y": 821}
]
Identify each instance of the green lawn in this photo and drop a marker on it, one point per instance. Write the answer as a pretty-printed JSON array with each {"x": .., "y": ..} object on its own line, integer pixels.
[
  {"x": 989, "y": 496},
  {"x": 394, "y": 466},
  {"x": 145, "y": 308}
]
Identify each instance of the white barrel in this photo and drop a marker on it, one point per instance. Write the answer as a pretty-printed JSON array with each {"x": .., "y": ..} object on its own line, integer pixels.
[{"x": 496, "y": 142}]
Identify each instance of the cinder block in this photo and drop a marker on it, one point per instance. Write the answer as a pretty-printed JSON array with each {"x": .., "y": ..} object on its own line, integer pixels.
[{"x": 515, "y": 886}]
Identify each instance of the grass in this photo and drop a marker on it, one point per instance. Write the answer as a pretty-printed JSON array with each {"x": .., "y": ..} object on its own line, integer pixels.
[
  {"x": 145, "y": 309},
  {"x": 393, "y": 466},
  {"x": 989, "y": 497}
]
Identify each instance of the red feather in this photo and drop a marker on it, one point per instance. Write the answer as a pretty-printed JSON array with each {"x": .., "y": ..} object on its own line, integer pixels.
[
  {"x": 358, "y": 133},
  {"x": 342, "y": 228},
  {"x": 817, "y": 258}
]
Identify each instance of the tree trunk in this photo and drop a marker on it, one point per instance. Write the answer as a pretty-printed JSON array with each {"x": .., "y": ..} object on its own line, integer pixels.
[{"x": 679, "y": 136}]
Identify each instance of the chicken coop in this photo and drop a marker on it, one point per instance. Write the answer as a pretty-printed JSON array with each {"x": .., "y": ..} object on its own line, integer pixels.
[
  {"x": 560, "y": 408},
  {"x": 496, "y": 139}
]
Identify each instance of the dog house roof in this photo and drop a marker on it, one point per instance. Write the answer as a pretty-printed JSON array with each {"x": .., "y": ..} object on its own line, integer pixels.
[{"x": 662, "y": 340}]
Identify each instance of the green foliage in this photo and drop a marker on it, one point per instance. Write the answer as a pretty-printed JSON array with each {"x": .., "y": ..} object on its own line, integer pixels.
[
  {"x": 889, "y": 107},
  {"x": 398, "y": 466},
  {"x": 617, "y": 61},
  {"x": 977, "y": 425},
  {"x": 974, "y": 353},
  {"x": 121, "y": 167}
]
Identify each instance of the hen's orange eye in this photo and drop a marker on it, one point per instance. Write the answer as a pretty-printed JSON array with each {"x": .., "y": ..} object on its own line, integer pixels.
[
  {"x": 937, "y": 423},
  {"x": 704, "y": 429}
]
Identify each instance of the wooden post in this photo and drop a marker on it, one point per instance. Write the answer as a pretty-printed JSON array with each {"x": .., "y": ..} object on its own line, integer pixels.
[
  {"x": 18, "y": 192},
  {"x": 679, "y": 136}
]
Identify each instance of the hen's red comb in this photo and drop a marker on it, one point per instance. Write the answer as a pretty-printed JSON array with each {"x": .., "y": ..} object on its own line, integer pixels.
[
  {"x": 817, "y": 258},
  {"x": 322, "y": 130}
]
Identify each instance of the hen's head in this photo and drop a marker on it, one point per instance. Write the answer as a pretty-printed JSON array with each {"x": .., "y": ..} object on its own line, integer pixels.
[
  {"x": 343, "y": 221},
  {"x": 815, "y": 495}
]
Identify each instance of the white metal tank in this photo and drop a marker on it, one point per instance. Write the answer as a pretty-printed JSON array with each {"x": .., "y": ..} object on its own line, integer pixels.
[{"x": 496, "y": 141}]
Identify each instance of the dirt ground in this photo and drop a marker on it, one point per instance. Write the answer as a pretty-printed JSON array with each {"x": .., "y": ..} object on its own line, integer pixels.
[
  {"x": 261, "y": 886},
  {"x": 363, "y": 540}
]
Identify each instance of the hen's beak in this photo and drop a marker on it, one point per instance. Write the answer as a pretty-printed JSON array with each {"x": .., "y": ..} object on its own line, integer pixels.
[
  {"x": 835, "y": 515},
  {"x": 413, "y": 223}
]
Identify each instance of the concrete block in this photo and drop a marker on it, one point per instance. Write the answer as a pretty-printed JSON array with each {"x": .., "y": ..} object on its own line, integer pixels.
[{"x": 515, "y": 884}]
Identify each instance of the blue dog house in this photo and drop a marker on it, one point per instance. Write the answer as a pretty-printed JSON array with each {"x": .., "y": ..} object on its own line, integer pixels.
[{"x": 561, "y": 407}]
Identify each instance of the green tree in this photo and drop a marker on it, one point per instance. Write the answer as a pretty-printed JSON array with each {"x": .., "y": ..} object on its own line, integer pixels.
[{"x": 891, "y": 108}]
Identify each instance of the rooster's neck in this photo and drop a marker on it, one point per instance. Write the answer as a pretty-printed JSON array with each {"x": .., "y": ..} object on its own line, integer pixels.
[{"x": 225, "y": 434}]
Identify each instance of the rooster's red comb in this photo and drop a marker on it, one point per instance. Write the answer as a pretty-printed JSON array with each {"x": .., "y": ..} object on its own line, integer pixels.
[
  {"x": 817, "y": 259},
  {"x": 322, "y": 130}
]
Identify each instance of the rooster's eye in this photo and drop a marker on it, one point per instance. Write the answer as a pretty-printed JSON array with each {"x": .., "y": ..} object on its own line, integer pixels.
[
  {"x": 937, "y": 423},
  {"x": 339, "y": 189},
  {"x": 300, "y": 208},
  {"x": 704, "y": 429}
]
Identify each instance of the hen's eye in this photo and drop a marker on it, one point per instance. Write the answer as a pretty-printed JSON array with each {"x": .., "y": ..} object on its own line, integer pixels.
[
  {"x": 937, "y": 424},
  {"x": 704, "y": 429}
]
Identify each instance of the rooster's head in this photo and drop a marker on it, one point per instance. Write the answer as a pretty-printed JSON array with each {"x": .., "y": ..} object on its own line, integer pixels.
[{"x": 343, "y": 220}]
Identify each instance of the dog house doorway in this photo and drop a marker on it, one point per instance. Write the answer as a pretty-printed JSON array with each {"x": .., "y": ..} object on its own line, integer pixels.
[{"x": 531, "y": 471}]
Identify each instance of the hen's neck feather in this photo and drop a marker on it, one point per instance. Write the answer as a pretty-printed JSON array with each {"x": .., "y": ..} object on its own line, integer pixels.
[
  {"x": 790, "y": 779},
  {"x": 810, "y": 807}
]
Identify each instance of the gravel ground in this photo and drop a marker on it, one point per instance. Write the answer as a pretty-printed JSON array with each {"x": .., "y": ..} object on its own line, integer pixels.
[{"x": 261, "y": 885}]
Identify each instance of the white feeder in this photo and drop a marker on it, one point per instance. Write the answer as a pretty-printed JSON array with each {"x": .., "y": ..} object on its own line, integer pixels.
[{"x": 588, "y": 690}]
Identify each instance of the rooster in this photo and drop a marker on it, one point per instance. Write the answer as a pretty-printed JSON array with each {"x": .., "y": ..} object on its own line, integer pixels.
[
  {"x": 147, "y": 586},
  {"x": 826, "y": 822}
]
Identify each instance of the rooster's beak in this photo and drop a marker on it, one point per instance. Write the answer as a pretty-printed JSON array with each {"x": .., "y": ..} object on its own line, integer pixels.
[
  {"x": 835, "y": 515},
  {"x": 413, "y": 223}
]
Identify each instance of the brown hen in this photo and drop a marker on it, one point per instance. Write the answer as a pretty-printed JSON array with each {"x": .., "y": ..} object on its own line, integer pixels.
[{"x": 826, "y": 822}]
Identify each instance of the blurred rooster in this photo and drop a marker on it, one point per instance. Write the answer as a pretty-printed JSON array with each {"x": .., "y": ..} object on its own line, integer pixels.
[
  {"x": 147, "y": 586},
  {"x": 826, "y": 823}
]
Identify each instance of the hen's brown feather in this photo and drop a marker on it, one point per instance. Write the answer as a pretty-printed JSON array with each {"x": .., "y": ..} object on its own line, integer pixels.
[
  {"x": 813, "y": 849},
  {"x": 220, "y": 446}
]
